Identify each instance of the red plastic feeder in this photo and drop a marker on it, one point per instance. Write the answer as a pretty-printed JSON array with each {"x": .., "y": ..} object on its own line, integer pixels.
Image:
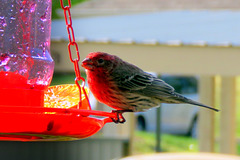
[{"x": 26, "y": 69}]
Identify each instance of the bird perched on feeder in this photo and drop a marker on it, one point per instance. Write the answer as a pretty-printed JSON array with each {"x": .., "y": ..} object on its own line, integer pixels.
[{"x": 127, "y": 88}]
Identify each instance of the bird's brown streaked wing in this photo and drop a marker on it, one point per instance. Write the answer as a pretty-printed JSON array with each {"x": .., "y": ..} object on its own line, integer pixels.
[{"x": 146, "y": 84}]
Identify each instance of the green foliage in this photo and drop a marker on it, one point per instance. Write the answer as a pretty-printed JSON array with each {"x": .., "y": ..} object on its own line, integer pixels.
[
  {"x": 65, "y": 78},
  {"x": 56, "y": 5},
  {"x": 145, "y": 142},
  {"x": 179, "y": 143}
]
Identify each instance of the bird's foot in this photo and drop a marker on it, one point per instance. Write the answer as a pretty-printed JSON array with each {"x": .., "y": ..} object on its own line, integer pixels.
[{"x": 119, "y": 118}]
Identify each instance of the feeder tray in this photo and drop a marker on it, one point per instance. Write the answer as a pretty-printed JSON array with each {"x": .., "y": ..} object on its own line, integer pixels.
[
  {"x": 59, "y": 119},
  {"x": 61, "y": 115},
  {"x": 44, "y": 124}
]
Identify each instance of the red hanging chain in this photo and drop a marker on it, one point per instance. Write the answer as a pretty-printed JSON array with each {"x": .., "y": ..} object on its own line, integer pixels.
[{"x": 72, "y": 43}]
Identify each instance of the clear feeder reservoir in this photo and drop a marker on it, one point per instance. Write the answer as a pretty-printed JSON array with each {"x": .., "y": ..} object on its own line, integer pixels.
[{"x": 26, "y": 66}]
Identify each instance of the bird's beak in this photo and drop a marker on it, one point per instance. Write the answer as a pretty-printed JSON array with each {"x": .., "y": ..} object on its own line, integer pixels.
[{"x": 87, "y": 63}]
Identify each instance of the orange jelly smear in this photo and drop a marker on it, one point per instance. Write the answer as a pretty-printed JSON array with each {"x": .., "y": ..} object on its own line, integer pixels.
[
  {"x": 65, "y": 96},
  {"x": 15, "y": 91}
]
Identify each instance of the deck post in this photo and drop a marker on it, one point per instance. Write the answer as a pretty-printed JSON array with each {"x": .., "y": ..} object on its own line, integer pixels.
[
  {"x": 228, "y": 142},
  {"x": 206, "y": 128}
]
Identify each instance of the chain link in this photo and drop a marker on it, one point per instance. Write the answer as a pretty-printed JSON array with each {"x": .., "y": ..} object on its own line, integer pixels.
[
  {"x": 70, "y": 51},
  {"x": 67, "y": 6},
  {"x": 72, "y": 43}
]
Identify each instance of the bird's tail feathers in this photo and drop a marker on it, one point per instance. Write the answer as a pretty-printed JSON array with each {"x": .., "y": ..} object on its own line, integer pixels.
[{"x": 182, "y": 99}]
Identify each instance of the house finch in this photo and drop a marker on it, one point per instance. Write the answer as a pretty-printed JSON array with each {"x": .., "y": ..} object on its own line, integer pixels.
[{"x": 125, "y": 87}]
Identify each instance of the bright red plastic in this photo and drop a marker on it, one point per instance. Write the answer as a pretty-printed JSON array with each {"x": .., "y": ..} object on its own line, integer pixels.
[
  {"x": 14, "y": 91},
  {"x": 46, "y": 126},
  {"x": 23, "y": 116}
]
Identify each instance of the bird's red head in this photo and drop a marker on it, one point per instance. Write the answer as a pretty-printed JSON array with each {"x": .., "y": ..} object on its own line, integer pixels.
[{"x": 99, "y": 61}]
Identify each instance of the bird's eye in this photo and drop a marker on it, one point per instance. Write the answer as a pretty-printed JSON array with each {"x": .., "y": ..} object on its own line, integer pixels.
[{"x": 100, "y": 61}]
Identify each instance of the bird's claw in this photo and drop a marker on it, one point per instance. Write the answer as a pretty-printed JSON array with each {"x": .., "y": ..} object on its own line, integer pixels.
[{"x": 119, "y": 117}]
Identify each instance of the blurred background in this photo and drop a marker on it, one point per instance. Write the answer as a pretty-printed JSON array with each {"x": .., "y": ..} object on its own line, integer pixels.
[{"x": 192, "y": 45}]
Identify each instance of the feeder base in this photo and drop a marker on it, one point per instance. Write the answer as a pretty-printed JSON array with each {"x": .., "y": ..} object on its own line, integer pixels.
[{"x": 47, "y": 126}]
